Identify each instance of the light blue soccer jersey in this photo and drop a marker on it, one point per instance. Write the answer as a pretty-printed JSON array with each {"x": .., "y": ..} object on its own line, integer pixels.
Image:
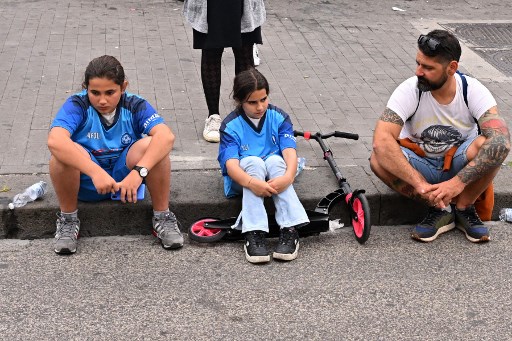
[
  {"x": 134, "y": 117},
  {"x": 239, "y": 138}
]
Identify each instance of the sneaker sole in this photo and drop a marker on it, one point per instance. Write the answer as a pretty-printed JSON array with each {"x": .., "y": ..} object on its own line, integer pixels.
[
  {"x": 211, "y": 139},
  {"x": 167, "y": 247},
  {"x": 287, "y": 256},
  {"x": 474, "y": 240},
  {"x": 172, "y": 246},
  {"x": 256, "y": 259},
  {"x": 440, "y": 230},
  {"x": 65, "y": 251}
]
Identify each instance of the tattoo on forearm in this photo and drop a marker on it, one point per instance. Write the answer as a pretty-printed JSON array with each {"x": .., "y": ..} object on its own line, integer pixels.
[
  {"x": 405, "y": 189},
  {"x": 390, "y": 116},
  {"x": 493, "y": 151}
]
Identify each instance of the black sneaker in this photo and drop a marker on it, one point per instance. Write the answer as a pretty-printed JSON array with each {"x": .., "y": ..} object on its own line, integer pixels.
[
  {"x": 469, "y": 222},
  {"x": 288, "y": 245},
  {"x": 436, "y": 222},
  {"x": 256, "y": 247}
]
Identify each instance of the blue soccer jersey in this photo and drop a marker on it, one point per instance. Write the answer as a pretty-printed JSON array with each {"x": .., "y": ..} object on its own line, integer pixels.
[
  {"x": 239, "y": 138},
  {"x": 134, "y": 117}
]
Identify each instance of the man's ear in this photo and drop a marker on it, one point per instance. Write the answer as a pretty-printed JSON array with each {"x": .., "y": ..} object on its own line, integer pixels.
[
  {"x": 124, "y": 86},
  {"x": 452, "y": 67}
]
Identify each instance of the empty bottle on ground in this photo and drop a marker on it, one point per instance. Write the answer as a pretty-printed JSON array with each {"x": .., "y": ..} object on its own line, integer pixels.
[
  {"x": 506, "y": 214},
  {"x": 30, "y": 194}
]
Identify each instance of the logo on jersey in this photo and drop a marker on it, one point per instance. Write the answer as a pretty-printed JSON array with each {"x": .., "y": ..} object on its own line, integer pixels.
[
  {"x": 244, "y": 147},
  {"x": 288, "y": 136},
  {"x": 93, "y": 135},
  {"x": 126, "y": 139},
  {"x": 151, "y": 119},
  {"x": 274, "y": 139}
]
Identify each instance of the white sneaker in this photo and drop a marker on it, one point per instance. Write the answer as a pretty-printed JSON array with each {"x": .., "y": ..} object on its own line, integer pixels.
[
  {"x": 256, "y": 55},
  {"x": 211, "y": 128}
]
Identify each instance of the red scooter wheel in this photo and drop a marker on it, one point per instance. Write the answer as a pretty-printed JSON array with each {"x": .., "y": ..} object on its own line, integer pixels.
[
  {"x": 361, "y": 222},
  {"x": 199, "y": 233}
]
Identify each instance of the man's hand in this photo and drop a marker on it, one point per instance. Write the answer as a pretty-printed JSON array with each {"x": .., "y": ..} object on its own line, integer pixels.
[{"x": 444, "y": 192}]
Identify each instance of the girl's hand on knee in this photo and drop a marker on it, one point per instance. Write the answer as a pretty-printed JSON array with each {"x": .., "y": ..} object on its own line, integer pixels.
[
  {"x": 280, "y": 183},
  {"x": 261, "y": 188}
]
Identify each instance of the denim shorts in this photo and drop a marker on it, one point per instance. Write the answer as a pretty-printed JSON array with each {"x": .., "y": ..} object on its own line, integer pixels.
[
  {"x": 432, "y": 168},
  {"x": 118, "y": 171}
]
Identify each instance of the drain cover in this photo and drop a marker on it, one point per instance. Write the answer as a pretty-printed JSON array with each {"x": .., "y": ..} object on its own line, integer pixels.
[{"x": 492, "y": 41}]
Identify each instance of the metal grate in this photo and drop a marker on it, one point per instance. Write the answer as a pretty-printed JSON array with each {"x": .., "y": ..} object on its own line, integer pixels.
[{"x": 492, "y": 41}]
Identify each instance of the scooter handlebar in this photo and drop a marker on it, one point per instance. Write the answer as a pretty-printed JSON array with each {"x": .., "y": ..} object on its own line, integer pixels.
[{"x": 317, "y": 135}]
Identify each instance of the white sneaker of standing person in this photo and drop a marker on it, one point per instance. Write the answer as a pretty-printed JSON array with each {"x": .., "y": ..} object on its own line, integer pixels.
[
  {"x": 256, "y": 55},
  {"x": 211, "y": 128}
]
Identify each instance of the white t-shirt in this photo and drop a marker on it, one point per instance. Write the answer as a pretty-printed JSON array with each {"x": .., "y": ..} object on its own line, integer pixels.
[{"x": 437, "y": 127}]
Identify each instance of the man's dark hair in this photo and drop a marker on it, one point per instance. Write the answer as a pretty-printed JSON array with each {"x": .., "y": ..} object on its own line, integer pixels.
[{"x": 440, "y": 44}]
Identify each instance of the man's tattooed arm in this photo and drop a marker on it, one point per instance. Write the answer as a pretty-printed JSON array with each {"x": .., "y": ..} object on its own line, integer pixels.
[
  {"x": 493, "y": 151},
  {"x": 390, "y": 116}
]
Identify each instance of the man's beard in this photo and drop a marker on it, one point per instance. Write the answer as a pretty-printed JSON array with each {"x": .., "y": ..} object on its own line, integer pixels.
[{"x": 425, "y": 85}]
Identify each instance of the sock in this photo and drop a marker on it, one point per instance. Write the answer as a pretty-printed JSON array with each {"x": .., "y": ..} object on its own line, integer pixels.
[
  {"x": 158, "y": 213},
  {"x": 71, "y": 215},
  {"x": 448, "y": 208}
]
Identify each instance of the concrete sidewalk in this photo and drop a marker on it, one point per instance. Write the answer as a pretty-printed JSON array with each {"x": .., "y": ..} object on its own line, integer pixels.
[{"x": 331, "y": 65}]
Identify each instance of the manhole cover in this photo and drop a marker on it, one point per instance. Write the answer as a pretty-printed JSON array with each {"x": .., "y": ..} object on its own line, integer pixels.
[{"x": 492, "y": 41}]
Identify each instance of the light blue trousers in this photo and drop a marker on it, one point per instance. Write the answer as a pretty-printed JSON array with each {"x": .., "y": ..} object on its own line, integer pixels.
[{"x": 289, "y": 210}]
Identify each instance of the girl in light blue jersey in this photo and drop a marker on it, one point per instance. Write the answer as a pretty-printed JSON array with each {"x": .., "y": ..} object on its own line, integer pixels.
[
  {"x": 105, "y": 140},
  {"x": 258, "y": 159}
]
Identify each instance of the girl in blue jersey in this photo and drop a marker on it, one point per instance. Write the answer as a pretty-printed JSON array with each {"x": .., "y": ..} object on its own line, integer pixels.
[
  {"x": 258, "y": 159},
  {"x": 104, "y": 140}
]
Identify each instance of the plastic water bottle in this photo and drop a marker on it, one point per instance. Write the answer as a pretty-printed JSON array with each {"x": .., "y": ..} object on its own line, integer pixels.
[
  {"x": 506, "y": 214},
  {"x": 301, "y": 163},
  {"x": 30, "y": 194}
]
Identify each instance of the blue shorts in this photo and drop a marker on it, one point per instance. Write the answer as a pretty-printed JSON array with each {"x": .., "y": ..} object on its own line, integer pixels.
[
  {"x": 432, "y": 168},
  {"x": 118, "y": 171}
]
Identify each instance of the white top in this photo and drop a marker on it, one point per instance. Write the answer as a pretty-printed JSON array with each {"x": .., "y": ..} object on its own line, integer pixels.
[
  {"x": 437, "y": 127},
  {"x": 195, "y": 12}
]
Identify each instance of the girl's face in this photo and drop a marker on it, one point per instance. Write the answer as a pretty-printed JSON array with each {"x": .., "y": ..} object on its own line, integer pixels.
[
  {"x": 256, "y": 104},
  {"x": 104, "y": 94}
]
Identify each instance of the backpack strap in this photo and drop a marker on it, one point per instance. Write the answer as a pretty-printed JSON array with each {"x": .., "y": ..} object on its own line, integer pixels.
[
  {"x": 465, "y": 94},
  {"x": 417, "y": 105},
  {"x": 464, "y": 87}
]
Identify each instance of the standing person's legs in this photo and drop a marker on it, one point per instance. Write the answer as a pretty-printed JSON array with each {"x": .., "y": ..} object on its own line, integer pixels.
[
  {"x": 243, "y": 58},
  {"x": 211, "y": 78}
]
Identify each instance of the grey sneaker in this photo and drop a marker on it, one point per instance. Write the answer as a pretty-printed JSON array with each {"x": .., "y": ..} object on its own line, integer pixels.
[
  {"x": 66, "y": 235},
  {"x": 165, "y": 228},
  {"x": 211, "y": 128}
]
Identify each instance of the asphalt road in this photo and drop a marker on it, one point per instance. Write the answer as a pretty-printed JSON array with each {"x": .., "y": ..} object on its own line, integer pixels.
[{"x": 129, "y": 288}]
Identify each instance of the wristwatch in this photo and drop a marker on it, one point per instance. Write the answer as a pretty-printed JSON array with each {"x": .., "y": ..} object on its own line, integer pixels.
[{"x": 143, "y": 171}]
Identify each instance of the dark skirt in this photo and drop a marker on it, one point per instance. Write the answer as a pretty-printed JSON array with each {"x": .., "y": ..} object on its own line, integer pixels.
[{"x": 224, "y": 26}]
